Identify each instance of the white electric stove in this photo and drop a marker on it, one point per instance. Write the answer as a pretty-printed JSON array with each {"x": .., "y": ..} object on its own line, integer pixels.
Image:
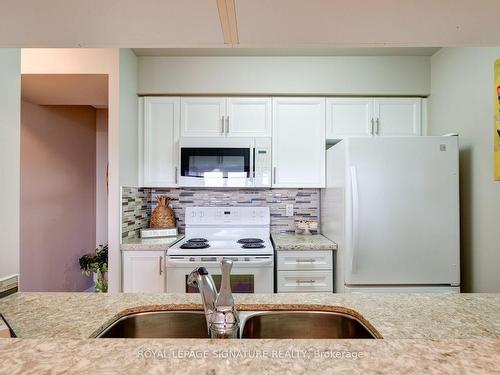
[{"x": 241, "y": 234}]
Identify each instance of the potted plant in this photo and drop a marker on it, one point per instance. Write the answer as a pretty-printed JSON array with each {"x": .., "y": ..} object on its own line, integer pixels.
[{"x": 98, "y": 264}]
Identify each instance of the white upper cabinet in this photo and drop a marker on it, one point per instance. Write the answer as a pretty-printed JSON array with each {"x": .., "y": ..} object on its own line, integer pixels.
[
  {"x": 144, "y": 271},
  {"x": 348, "y": 117},
  {"x": 225, "y": 117},
  {"x": 203, "y": 116},
  {"x": 248, "y": 117},
  {"x": 160, "y": 141},
  {"x": 398, "y": 116},
  {"x": 352, "y": 117},
  {"x": 298, "y": 142}
]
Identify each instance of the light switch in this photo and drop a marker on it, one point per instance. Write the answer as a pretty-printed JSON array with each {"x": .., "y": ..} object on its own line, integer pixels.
[{"x": 289, "y": 210}]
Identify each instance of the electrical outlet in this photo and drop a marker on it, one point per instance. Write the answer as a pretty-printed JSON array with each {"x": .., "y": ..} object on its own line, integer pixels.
[{"x": 289, "y": 210}]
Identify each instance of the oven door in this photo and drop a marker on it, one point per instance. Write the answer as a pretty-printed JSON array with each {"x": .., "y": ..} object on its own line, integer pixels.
[
  {"x": 216, "y": 164},
  {"x": 252, "y": 274}
]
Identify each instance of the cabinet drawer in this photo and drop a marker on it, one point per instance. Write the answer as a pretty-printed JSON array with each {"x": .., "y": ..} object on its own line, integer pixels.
[
  {"x": 304, "y": 260},
  {"x": 305, "y": 281}
]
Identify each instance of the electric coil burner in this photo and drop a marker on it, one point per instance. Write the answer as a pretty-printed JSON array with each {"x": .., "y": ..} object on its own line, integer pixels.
[
  {"x": 253, "y": 245},
  {"x": 250, "y": 240},
  {"x": 195, "y": 245},
  {"x": 197, "y": 240}
]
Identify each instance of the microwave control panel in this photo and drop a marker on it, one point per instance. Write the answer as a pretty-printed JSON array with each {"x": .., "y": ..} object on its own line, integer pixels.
[{"x": 262, "y": 162}]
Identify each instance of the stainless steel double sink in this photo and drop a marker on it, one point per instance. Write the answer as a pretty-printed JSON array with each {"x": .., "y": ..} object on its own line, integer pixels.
[{"x": 290, "y": 324}]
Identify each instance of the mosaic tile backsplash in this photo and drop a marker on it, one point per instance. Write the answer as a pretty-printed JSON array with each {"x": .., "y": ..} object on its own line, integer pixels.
[
  {"x": 305, "y": 203},
  {"x": 134, "y": 211}
]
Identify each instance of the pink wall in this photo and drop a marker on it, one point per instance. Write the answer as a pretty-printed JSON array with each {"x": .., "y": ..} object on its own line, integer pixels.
[
  {"x": 101, "y": 225},
  {"x": 58, "y": 195}
]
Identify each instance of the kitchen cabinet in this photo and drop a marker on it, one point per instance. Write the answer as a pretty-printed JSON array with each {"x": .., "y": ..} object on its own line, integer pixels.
[
  {"x": 347, "y": 117},
  {"x": 144, "y": 271},
  {"x": 298, "y": 153},
  {"x": 225, "y": 117},
  {"x": 397, "y": 116},
  {"x": 160, "y": 141},
  {"x": 248, "y": 117},
  {"x": 203, "y": 117},
  {"x": 304, "y": 271}
]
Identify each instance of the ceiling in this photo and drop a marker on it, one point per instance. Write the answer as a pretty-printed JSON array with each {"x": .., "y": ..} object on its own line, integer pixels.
[
  {"x": 65, "y": 89},
  {"x": 256, "y": 24}
]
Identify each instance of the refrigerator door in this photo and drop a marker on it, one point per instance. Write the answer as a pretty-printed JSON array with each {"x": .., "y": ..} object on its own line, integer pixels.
[{"x": 403, "y": 211}]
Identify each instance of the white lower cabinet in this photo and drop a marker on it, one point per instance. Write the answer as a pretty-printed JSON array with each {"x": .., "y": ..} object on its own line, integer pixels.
[
  {"x": 304, "y": 271},
  {"x": 144, "y": 271},
  {"x": 305, "y": 281}
]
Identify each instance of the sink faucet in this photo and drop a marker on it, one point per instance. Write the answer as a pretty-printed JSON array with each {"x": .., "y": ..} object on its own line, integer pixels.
[{"x": 222, "y": 317}]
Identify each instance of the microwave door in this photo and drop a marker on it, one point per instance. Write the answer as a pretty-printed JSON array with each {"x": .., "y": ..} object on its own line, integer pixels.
[{"x": 215, "y": 166}]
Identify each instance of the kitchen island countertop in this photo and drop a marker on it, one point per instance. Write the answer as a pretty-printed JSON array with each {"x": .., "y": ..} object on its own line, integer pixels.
[{"x": 423, "y": 333}]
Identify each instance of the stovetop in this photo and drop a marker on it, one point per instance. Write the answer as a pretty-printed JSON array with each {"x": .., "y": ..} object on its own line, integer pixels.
[
  {"x": 227, "y": 246},
  {"x": 225, "y": 231}
]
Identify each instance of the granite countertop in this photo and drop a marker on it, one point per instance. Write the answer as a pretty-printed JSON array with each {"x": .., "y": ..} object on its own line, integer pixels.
[
  {"x": 292, "y": 241},
  {"x": 134, "y": 243},
  {"x": 393, "y": 316},
  {"x": 423, "y": 333}
]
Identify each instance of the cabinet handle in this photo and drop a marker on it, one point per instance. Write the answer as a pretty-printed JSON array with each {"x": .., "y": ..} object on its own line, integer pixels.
[
  {"x": 305, "y": 281},
  {"x": 175, "y": 177},
  {"x": 377, "y": 127},
  {"x": 305, "y": 260},
  {"x": 222, "y": 125},
  {"x": 227, "y": 125},
  {"x": 372, "y": 126},
  {"x": 161, "y": 264},
  {"x": 274, "y": 175}
]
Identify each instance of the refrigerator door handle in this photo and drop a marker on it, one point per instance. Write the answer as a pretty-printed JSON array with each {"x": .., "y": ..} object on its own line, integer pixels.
[{"x": 355, "y": 218}]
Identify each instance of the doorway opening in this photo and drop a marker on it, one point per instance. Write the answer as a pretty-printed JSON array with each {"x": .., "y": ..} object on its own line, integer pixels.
[{"x": 64, "y": 178}]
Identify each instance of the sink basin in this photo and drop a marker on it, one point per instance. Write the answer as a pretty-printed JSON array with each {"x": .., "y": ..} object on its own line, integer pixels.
[
  {"x": 254, "y": 325},
  {"x": 158, "y": 324},
  {"x": 303, "y": 325}
]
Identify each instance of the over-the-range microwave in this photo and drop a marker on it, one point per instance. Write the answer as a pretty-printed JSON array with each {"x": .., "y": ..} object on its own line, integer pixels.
[{"x": 227, "y": 162}]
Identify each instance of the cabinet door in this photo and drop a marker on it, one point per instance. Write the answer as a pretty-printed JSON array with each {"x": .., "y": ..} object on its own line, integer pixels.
[
  {"x": 144, "y": 271},
  {"x": 202, "y": 117},
  {"x": 304, "y": 260},
  {"x": 304, "y": 281},
  {"x": 348, "y": 117},
  {"x": 398, "y": 116},
  {"x": 160, "y": 141},
  {"x": 298, "y": 142},
  {"x": 248, "y": 117}
]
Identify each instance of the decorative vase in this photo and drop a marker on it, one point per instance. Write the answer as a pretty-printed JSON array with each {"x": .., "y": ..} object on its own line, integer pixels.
[{"x": 163, "y": 216}]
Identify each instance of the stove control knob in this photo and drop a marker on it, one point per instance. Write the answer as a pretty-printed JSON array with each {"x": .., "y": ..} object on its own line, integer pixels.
[{"x": 192, "y": 259}]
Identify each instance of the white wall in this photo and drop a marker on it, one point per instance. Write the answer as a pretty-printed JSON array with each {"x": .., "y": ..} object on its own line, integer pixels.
[
  {"x": 10, "y": 111},
  {"x": 462, "y": 97},
  {"x": 128, "y": 119},
  {"x": 332, "y": 75},
  {"x": 101, "y": 150},
  {"x": 91, "y": 61}
]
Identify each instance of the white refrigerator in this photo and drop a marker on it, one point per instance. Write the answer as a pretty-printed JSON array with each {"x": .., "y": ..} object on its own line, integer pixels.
[{"x": 392, "y": 206}]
